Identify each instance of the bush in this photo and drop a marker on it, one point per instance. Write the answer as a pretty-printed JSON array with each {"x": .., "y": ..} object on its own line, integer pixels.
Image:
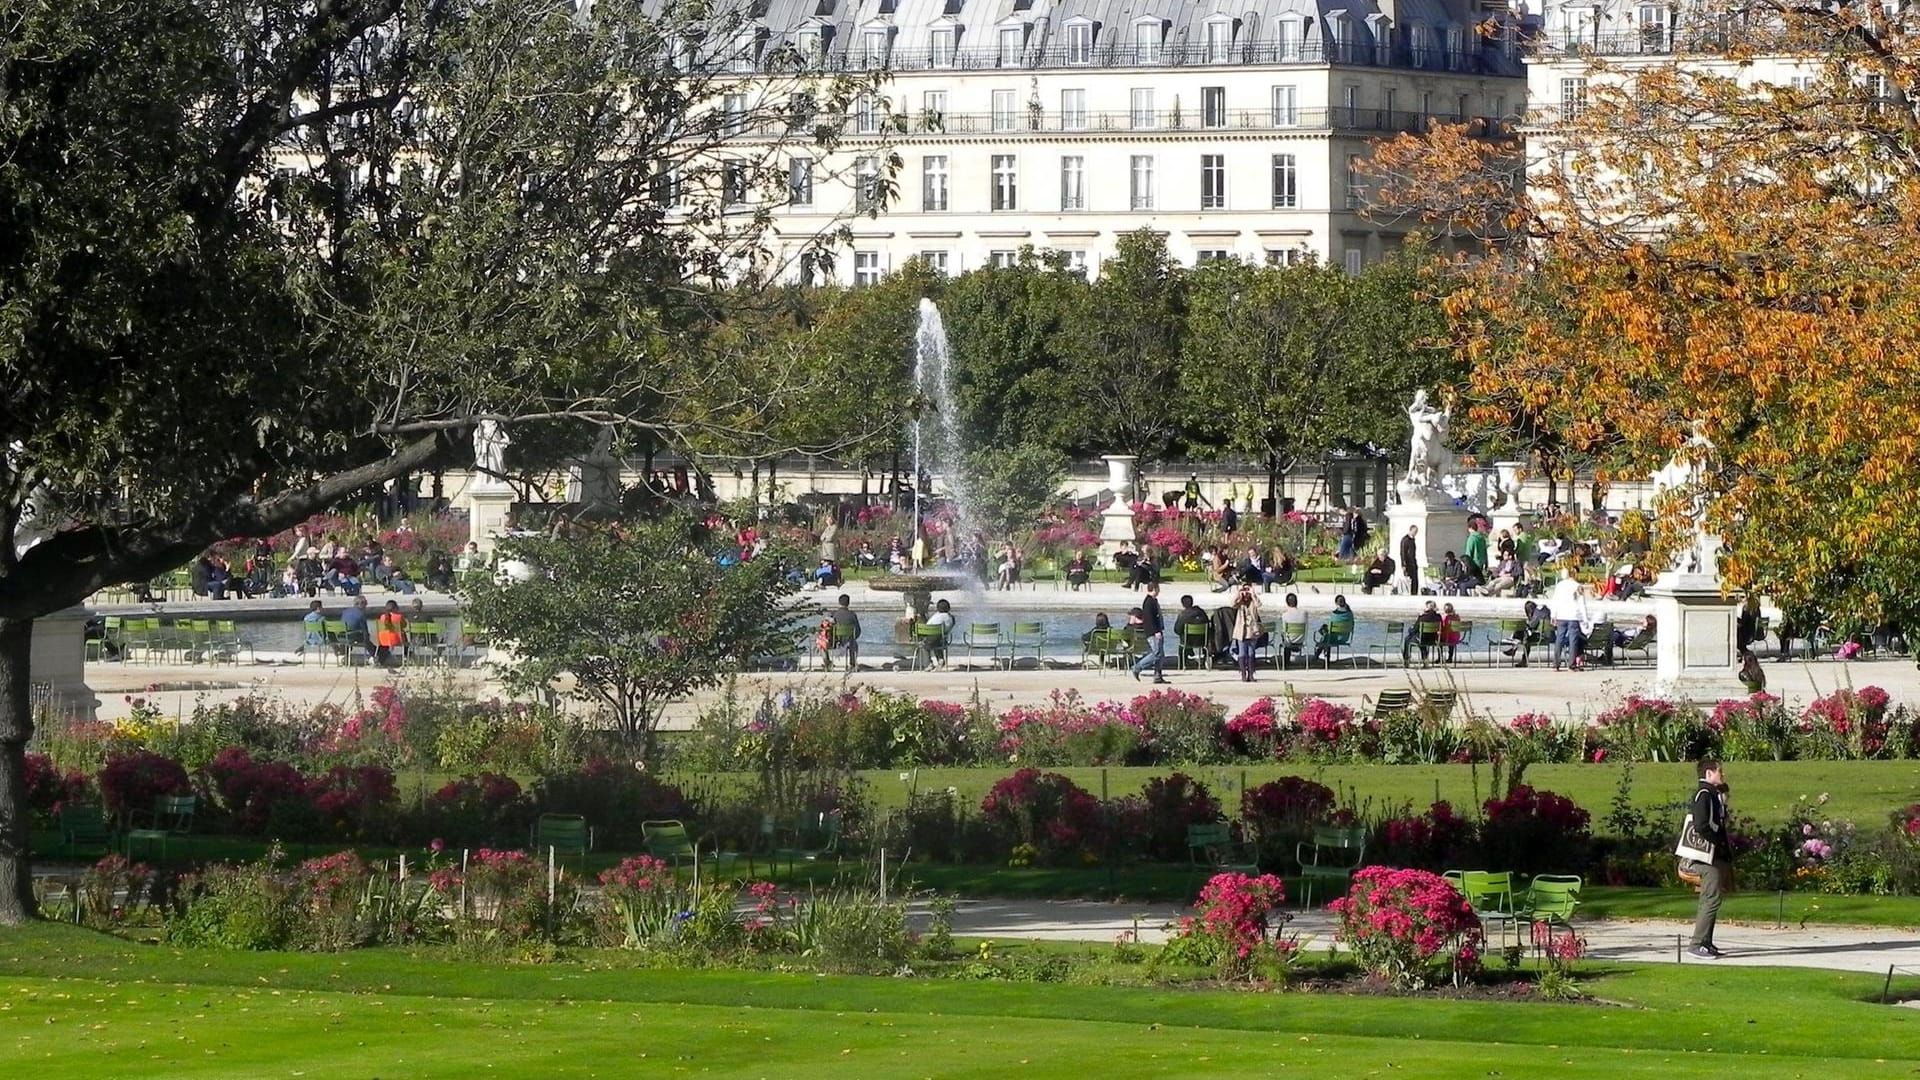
[
  {"x": 131, "y": 781},
  {"x": 1045, "y": 812},
  {"x": 234, "y": 906},
  {"x": 1532, "y": 737},
  {"x": 1229, "y": 933},
  {"x": 502, "y": 900},
  {"x": 1170, "y": 804},
  {"x": 1436, "y": 840},
  {"x": 110, "y": 891},
  {"x": 1255, "y": 730},
  {"x": 1754, "y": 728},
  {"x": 1398, "y": 922},
  {"x": 1529, "y": 831},
  {"x": 488, "y": 808},
  {"x": 1182, "y": 727},
  {"x": 356, "y": 802},
  {"x": 1330, "y": 732},
  {"x": 1849, "y": 724},
  {"x": 49, "y": 788},
  {"x": 641, "y": 902},
  {"x": 1284, "y": 812},
  {"x": 247, "y": 790},
  {"x": 328, "y": 896},
  {"x": 1066, "y": 731},
  {"x": 1655, "y": 729}
]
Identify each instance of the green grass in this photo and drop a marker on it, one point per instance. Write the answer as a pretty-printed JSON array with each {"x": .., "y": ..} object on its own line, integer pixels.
[
  {"x": 1865, "y": 791},
  {"x": 75, "y": 1004}
]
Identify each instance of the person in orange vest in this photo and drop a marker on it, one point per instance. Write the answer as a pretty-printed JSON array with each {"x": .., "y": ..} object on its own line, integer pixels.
[{"x": 390, "y": 634}]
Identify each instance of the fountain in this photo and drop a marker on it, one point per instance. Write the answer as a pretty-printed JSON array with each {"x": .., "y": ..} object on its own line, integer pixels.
[{"x": 939, "y": 453}]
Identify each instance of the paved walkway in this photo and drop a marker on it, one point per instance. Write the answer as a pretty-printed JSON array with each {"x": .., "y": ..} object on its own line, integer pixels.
[{"x": 1836, "y": 948}]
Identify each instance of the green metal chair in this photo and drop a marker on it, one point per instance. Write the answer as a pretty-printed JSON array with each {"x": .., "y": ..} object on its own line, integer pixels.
[
  {"x": 988, "y": 636},
  {"x": 670, "y": 841},
  {"x": 426, "y": 642},
  {"x": 1510, "y": 631},
  {"x": 1491, "y": 895},
  {"x": 567, "y": 834},
  {"x": 1292, "y": 641},
  {"x": 1025, "y": 634},
  {"x": 1193, "y": 650},
  {"x": 1212, "y": 848},
  {"x": 1103, "y": 646},
  {"x": 1439, "y": 703},
  {"x": 1390, "y": 645},
  {"x": 112, "y": 633},
  {"x": 170, "y": 818},
  {"x": 926, "y": 641},
  {"x": 1551, "y": 900},
  {"x": 84, "y": 831},
  {"x": 1392, "y": 702},
  {"x": 227, "y": 641},
  {"x": 1462, "y": 629},
  {"x": 1331, "y": 857}
]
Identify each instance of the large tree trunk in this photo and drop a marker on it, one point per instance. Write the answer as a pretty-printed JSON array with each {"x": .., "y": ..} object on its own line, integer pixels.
[{"x": 16, "y": 725}]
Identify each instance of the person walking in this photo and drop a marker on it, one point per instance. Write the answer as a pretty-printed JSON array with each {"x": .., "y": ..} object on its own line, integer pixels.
[
  {"x": 1707, "y": 835},
  {"x": 1155, "y": 628},
  {"x": 1571, "y": 621},
  {"x": 1247, "y": 629},
  {"x": 1410, "y": 559}
]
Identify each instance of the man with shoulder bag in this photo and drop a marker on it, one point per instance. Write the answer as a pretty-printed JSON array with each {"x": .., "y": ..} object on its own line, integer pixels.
[{"x": 1704, "y": 854}]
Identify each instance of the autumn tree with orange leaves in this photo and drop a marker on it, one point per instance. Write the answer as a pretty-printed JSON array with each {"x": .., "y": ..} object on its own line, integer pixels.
[{"x": 1697, "y": 247}]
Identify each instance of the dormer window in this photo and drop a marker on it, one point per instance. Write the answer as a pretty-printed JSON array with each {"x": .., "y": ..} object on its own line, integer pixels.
[
  {"x": 874, "y": 46},
  {"x": 1342, "y": 33},
  {"x": 1080, "y": 43},
  {"x": 1218, "y": 33},
  {"x": 1456, "y": 48},
  {"x": 746, "y": 50},
  {"x": 1380, "y": 29},
  {"x": 1147, "y": 35},
  {"x": 1012, "y": 38},
  {"x": 1286, "y": 40},
  {"x": 940, "y": 46},
  {"x": 813, "y": 45}
]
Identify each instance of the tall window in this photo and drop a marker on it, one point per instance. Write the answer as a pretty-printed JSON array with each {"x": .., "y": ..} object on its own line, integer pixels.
[
  {"x": 1350, "y": 101},
  {"x": 1140, "y": 184},
  {"x": 1143, "y": 116},
  {"x": 1213, "y": 106},
  {"x": 936, "y": 261},
  {"x": 933, "y": 182},
  {"x": 746, "y": 50},
  {"x": 1080, "y": 43},
  {"x": 1286, "y": 182},
  {"x": 1356, "y": 183},
  {"x": 866, "y": 115},
  {"x": 1219, "y": 41},
  {"x": 1573, "y": 98},
  {"x": 1076, "y": 261},
  {"x": 866, "y": 183},
  {"x": 1010, "y": 40},
  {"x": 1003, "y": 259},
  {"x": 1073, "y": 110},
  {"x": 800, "y": 181},
  {"x": 1006, "y": 183},
  {"x": 733, "y": 183},
  {"x": 940, "y": 47},
  {"x": 874, "y": 51},
  {"x": 665, "y": 184},
  {"x": 1146, "y": 42},
  {"x": 933, "y": 109},
  {"x": 866, "y": 268},
  {"x": 735, "y": 108},
  {"x": 1073, "y": 183},
  {"x": 1005, "y": 110},
  {"x": 1355, "y": 259},
  {"x": 1286, "y": 39},
  {"x": 1286, "y": 112},
  {"x": 1213, "y": 181}
]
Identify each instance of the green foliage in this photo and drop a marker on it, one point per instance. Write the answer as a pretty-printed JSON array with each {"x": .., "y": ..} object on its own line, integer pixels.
[
  {"x": 240, "y": 906},
  {"x": 636, "y": 618},
  {"x": 1011, "y": 486}
]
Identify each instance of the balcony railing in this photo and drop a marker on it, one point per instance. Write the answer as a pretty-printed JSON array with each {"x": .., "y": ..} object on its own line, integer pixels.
[
  {"x": 1648, "y": 41},
  {"x": 1180, "y": 121},
  {"x": 852, "y": 57}
]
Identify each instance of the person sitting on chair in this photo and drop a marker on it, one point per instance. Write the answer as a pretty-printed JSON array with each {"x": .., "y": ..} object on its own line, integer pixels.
[
  {"x": 1379, "y": 574},
  {"x": 1191, "y": 614},
  {"x": 1101, "y": 624},
  {"x": 1078, "y": 571},
  {"x": 1336, "y": 631},
  {"x": 942, "y": 617}
]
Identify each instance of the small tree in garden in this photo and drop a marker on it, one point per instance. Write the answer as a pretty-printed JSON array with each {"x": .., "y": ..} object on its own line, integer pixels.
[
  {"x": 1397, "y": 923},
  {"x": 634, "y": 618}
]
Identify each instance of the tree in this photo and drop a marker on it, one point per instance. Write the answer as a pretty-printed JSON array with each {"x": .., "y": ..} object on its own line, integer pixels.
[
  {"x": 1124, "y": 350},
  {"x": 1708, "y": 252},
  {"x": 630, "y": 619},
  {"x": 1007, "y": 326},
  {"x": 1012, "y": 485},
  {"x": 259, "y": 257},
  {"x": 1285, "y": 363}
]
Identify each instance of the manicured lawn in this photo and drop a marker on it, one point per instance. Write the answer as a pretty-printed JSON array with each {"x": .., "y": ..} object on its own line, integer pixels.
[
  {"x": 75, "y": 1004},
  {"x": 1866, "y": 791}
]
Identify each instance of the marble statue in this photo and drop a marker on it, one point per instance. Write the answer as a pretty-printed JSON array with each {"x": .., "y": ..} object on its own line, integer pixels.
[
  {"x": 490, "y": 444},
  {"x": 1427, "y": 454},
  {"x": 1686, "y": 472}
]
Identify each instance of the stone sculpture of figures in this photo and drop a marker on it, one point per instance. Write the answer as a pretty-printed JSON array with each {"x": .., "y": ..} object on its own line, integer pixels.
[
  {"x": 1429, "y": 442},
  {"x": 490, "y": 444},
  {"x": 1687, "y": 472}
]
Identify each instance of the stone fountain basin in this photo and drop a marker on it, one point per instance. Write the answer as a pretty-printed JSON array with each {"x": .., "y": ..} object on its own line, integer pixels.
[{"x": 904, "y": 583}]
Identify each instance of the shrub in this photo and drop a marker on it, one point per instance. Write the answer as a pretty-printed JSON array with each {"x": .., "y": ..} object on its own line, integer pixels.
[
  {"x": 1655, "y": 729},
  {"x": 1330, "y": 732},
  {"x": 1284, "y": 812},
  {"x": 1435, "y": 840},
  {"x": 1529, "y": 831},
  {"x": 248, "y": 790},
  {"x": 1230, "y": 930},
  {"x": 477, "y": 809},
  {"x": 841, "y": 732},
  {"x": 502, "y": 899},
  {"x": 131, "y": 781},
  {"x": 641, "y": 902},
  {"x": 109, "y": 891},
  {"x": 1045, "y": 811},
  {"x": 1066, "y": 731},
  {"x": 235, "y": 906},
  {"x": 1183, "y": 727},
  {"x": 1173, "y": 803},
  {"x": 1757, "y": 727},
  {"x": 1538, "y": 737},
  {"x": 49, "y": 787},
  {"x": 1398, "y": 922},
  {"x": 1255, "y": 730},
  {"x": 1846, "y": 724},
  {"x": 355, "y": 802},
  {"x": 328, "y": 895}
]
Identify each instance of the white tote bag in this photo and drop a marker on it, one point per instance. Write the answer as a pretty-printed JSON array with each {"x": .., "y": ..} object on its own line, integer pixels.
[{"x": 1693, "y": 843}]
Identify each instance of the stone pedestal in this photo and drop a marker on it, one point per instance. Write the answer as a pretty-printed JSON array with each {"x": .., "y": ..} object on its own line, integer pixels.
[
  {"x": 58, "y": 659},
  {"x": 1443, "y": 528},
  {"x": 488, "y": 509},
  {"x": 1695, "y": 653}
]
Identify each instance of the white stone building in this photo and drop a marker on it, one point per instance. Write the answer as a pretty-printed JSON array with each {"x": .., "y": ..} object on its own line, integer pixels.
[{"x": 1230, "y": 125}]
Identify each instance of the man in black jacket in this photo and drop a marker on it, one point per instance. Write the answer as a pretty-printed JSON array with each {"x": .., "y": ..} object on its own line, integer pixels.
[
  {"x": 1410, "y": 559},
  {"x": 1156, "y": 631},
  {"x": 1709, "y": 810}
]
